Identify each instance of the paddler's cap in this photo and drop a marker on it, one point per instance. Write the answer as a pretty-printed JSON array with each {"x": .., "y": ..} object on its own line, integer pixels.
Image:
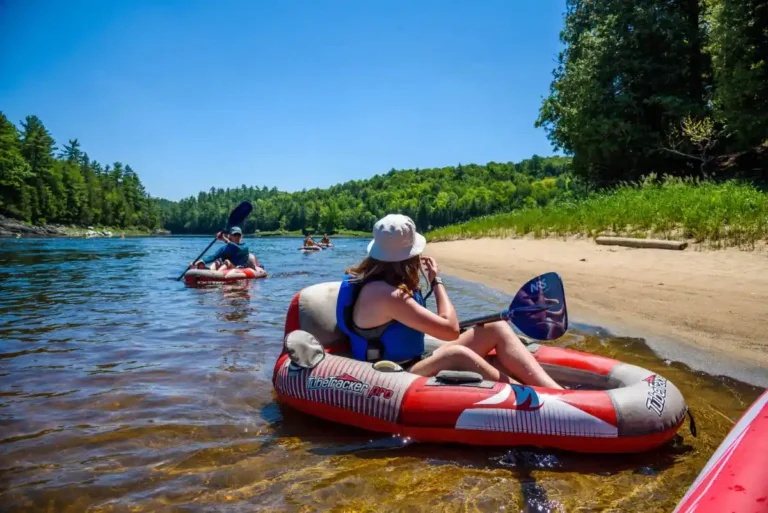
[
  {"x": 236, "y": 231},
  {"x": 395, "y": 239}
]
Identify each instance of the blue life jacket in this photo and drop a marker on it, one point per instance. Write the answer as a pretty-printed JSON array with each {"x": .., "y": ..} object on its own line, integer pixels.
[
  {"x": 393, "y": 341},
  {"x": 232, "y": 251}
]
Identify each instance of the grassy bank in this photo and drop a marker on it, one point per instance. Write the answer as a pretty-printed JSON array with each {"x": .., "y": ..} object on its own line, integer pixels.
[
  {"x": 721, "y": 214},
  {"x": 297, "y": 233}
]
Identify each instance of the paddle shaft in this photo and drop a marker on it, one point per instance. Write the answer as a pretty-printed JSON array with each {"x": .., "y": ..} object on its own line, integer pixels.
[
  {"x": 498, "y": 316},
  {"x": 504, "y": 315},
  {"x": 198, "y": 257}
]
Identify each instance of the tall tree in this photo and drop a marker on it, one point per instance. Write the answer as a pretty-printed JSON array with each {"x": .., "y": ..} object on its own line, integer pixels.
[
  {"x": 37, "y": 147},
  {"x": 14, "y": 172},
  {"x": 738, "y": 43},
  {"x": 71, "y": 152},
  {"x": 629, "y": 72}
]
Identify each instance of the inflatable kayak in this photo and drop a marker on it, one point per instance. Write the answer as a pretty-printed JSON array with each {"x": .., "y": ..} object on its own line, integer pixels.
[
  {"x": 206, "y": 275},
  {"x": 736, "y": 477},
  {"x": 626, "y": 408},
  {"x": 310, "y": 248}
]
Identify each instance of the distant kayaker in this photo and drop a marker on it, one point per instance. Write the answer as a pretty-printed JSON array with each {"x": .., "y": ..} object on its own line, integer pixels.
[
  {"x": 381, "y": 308},
  {"x": 325, "y": 240},
  {"x": 309, "y": 242},
  {"x": 233, "y": 254}
]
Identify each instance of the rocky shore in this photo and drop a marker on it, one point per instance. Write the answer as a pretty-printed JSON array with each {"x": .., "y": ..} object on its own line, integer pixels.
[{"x": 11, "y": 228}]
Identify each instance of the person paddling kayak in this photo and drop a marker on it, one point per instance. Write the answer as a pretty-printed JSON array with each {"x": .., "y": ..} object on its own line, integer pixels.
[
  {"x": 309, "y": 242},
  {"x": 382, "y": 310},
  {"x": 234, "y": 253},
  {"x": 325, "y": 241}
]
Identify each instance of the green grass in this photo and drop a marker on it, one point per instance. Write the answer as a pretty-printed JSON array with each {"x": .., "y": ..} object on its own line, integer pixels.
[
  {"x": 721, "y": 214},
  {"x": 298, "y": 233}
]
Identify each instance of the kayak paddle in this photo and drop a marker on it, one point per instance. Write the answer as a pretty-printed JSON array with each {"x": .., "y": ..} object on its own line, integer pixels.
[
  {"x": 538, "y": 309},
  {"x": 237, "y": 216}
]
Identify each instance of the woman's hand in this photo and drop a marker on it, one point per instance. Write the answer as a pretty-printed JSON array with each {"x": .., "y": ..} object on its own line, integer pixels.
[
  {"x": 220, "y": 236},
  {"x": 430, "y": 265}
]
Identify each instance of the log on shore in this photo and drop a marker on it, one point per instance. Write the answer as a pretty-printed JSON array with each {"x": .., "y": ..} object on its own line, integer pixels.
[{"x": 641, "y": 243}]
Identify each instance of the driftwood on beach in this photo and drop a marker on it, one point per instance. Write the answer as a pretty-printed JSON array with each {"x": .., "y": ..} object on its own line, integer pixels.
[{"x": 641, "y": 243}]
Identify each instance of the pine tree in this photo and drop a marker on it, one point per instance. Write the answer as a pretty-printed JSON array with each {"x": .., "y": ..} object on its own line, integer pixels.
[{"x": 14, "y": 172}]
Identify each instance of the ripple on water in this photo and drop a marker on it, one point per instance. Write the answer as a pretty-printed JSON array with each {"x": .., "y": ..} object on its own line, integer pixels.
[{"x": 121, "y": 388}]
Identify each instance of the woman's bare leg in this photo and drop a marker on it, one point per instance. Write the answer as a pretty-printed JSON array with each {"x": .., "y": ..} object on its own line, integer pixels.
[
  {"x": 513, "y": 357},
  {"x": 457, "y": 357}
]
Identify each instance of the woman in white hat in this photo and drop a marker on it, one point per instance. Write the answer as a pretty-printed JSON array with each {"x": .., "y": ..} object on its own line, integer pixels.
[{"x": 382, "y": 310}]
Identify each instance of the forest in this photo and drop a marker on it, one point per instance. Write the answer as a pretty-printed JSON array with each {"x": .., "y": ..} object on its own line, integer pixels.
[
  {"x": 432, "y": 197},
  {"x": 677, "y": 87},
  {"x": 41, "y": 186}
]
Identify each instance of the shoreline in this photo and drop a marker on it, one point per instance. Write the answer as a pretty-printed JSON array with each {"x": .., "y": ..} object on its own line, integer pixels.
[
  {"x": 13, "y": 229},
  {"x": 706, "y": 309}
]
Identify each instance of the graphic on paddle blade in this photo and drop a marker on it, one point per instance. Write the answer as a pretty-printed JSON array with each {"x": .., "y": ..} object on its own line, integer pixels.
[{"x": 538, "y": 308}]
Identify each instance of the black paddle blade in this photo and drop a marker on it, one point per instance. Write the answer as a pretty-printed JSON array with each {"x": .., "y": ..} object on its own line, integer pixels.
[
  {"x": 538, "y": 309},
  {"x": 239, "y": 214}
]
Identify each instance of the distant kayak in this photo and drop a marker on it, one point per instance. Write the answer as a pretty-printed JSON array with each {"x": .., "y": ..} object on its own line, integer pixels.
[
  {"x": 736, "y": 477},
  {"x": 206, "y": 275},
  {"x": 325, "y": 245},
  {"x": 310, "y": 248}
]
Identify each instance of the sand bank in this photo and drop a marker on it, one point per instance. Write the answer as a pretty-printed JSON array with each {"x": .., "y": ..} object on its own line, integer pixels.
[{"x": 715, "y": 303}]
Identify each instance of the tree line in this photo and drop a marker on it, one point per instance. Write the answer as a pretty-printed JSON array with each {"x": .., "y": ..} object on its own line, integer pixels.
[
  {"x": 39, "y": 185},
  {"x": 665, "y": 86},
  {"x": 432, "y": 197}
]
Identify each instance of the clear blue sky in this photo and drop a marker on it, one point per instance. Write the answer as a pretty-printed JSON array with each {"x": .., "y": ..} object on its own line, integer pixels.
[{"x": 293, "y": 94}]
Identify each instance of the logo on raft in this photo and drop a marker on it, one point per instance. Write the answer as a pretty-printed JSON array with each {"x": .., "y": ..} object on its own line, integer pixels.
[
  {"x": 348, "y": 384},
  {"x": 657, "y": 394},
  {"x": 526, "y": 398}
]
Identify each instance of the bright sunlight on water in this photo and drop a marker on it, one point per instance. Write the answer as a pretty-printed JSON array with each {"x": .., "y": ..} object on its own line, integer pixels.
[{"x": 122, "y": 390}]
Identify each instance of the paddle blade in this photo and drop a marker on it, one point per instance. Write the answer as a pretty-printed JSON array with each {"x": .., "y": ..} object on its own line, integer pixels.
[
  {"x": 538, "y": 308},
  {"x": 239, "y": 214}
]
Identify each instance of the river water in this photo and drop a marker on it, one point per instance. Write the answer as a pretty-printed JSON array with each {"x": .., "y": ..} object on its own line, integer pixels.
[{"x": 123, "y": 390}]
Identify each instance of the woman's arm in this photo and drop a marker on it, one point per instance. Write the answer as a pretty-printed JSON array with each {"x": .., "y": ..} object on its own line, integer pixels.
[
  {"x": 444, "y": 325},
  {"x": 406, "y": 310}
]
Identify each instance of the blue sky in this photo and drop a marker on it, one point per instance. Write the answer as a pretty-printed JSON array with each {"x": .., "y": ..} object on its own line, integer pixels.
[{"x": 293, "y": 94}]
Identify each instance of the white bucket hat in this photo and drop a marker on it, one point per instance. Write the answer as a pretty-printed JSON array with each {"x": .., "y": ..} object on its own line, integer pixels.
[{"x": 395, "y": 239}]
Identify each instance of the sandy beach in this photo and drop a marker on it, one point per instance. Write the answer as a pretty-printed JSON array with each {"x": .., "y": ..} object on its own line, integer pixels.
[{"x": 712, "y": 302}]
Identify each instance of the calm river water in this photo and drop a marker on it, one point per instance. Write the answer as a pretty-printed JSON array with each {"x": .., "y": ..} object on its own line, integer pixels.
[{"x": 123, "y": 390}]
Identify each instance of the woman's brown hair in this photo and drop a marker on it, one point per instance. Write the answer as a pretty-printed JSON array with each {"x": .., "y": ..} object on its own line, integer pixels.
[{"x": 402, "y": 275}]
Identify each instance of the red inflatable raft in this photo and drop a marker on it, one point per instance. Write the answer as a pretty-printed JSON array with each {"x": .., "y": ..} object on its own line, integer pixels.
[
  {"x": 206, "y": 275},
  {"x": 736, "y": 477},
  {"x": 626, "y": 409}
]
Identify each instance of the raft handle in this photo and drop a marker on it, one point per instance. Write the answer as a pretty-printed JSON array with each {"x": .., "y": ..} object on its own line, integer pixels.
[{"x": 458, "y": 377}]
